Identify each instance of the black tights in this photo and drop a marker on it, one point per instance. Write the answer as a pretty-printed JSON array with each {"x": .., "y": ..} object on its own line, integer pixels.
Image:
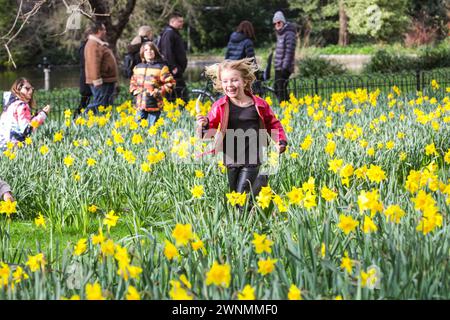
[{"x": 241, "y": 179}]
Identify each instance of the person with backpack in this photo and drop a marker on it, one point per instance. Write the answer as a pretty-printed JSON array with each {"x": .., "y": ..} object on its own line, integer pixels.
[
  {"x": 132, "y": 58},
  {"x": 173, "y": 49}
]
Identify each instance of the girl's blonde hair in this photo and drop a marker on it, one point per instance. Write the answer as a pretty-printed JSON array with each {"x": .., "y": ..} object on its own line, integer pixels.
[{"x": 246, "y": 68}]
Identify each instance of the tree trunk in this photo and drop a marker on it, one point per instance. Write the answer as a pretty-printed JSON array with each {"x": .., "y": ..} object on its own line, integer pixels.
[
  {"x": 307, "y": 33},
  {"x": 343, "y": 25},
  {"x": 113, "y": 31}
]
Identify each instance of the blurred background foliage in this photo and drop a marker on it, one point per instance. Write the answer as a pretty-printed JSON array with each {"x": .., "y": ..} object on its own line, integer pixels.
[{"x": 208, "y": 23}]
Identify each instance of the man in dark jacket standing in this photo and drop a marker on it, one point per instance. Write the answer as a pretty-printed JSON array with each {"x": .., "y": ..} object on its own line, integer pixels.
[
  {"x": 284, "y": 54},
  {"x": 85, "y": 89},
  {"x": 173, "y": 49}
]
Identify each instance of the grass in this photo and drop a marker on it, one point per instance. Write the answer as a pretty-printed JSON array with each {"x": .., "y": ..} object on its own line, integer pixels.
[
  {"x": 262, "y": 51},
  {"x": 45, "y": 239}
]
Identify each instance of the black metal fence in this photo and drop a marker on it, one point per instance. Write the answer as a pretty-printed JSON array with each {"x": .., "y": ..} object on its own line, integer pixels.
[{"x": 407, "y": 82}]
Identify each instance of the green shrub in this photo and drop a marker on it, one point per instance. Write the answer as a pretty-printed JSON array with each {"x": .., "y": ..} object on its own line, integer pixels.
[
  {"x": 437, "y": 57},
  {"x": 319, "y": 67},
  {"x": 387, "y": 62},
  {"x": 429, "y": 58}
]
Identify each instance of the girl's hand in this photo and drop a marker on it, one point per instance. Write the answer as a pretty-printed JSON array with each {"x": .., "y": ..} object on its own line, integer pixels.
[
  {"x": 202, "y": 121},
  {"x": 156, "y": 93},
  {"x": 47, "y": 109},
  {"x": 281, "y": 147},
  {"x": 8, "y": 196}
]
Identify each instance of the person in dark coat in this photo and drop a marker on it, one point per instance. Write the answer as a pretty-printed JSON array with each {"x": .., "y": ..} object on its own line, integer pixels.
[
  {"x": 240, "y": 45},
  {"x": 173, "y": 49},
  {"x": 145, "y": 34},
  {"x": 284, "y": 54},
  {"x": 85, "y": 90}
]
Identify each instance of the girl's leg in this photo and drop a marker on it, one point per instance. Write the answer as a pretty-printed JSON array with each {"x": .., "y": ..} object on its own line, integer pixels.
[
  {"x": 153, "y": 116},
  {"x": 142, "y": 114},
  {"x": 246, "y": 179},
  {"x": 261, "y": 180},
  {"x": 233, "y": 174}
]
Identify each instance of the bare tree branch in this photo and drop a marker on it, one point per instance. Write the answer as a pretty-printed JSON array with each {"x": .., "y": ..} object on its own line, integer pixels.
[
  {"x": 15, "y": 20},
  {"x": 26, "y": 17},
  {"x": 124, "y": 17}
]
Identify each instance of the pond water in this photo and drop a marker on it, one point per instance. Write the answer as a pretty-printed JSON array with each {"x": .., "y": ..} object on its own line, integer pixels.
[{"x": 68, "y": 76}]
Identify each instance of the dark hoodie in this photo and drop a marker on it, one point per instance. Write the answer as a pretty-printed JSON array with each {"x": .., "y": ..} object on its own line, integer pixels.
[
  {"x": 173, "y": 49},
  {"x": 239, "y": 47},
  {"x": 285, "y": 49}
]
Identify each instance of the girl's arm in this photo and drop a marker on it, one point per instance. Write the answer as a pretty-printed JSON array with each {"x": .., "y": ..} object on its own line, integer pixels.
[
  {"x": 134, "y": 89},
  {"x": 4, "y": 188},
  {"x": 206, "y": 125},
  {"x": 167, "y": 81},
  {"x": 274, "y": 126},
  {"x": 24, "y": 118}
]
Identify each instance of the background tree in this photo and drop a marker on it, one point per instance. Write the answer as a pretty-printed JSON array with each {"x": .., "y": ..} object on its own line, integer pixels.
[
  {"x": 381, "y": 20},
  {"x": 429, "y": 21},
  {"x": 318, "y": 21},
  {"x": 343, "y": 24}
]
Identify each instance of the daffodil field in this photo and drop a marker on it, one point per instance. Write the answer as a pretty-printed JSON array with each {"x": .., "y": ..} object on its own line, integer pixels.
[{"x": 358, "y": 207}]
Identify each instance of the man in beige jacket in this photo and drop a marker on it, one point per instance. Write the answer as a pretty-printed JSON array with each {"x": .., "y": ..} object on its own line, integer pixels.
[{"x": 100, "y": 67}]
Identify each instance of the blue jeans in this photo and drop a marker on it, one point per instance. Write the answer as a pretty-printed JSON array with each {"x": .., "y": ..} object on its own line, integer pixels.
[
  {"x": 101, "y": 96},
  {"x": 151, "y": 116}
]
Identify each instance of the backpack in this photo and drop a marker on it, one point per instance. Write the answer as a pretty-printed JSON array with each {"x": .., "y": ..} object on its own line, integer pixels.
[
  {"x": 128, "y": 65},
  {"x": 156, "y": 41},
  {"x": 131, "y": 59}
]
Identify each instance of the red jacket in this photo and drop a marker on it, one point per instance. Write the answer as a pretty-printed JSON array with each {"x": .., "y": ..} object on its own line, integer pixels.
[{"x": 218, "y": 115}]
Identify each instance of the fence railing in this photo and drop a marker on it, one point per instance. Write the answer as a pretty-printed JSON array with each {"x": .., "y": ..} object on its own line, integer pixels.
[{"x": 407, "y": 82}]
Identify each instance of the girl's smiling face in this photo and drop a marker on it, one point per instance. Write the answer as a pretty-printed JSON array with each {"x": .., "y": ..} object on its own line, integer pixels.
[{"x": 232, "y": 83}]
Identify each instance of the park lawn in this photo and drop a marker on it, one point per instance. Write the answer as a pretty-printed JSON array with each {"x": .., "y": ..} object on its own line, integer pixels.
[{"x": 25, "y": 236}]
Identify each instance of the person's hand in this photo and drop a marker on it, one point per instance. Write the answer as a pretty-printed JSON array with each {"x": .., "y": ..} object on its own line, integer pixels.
[
  {"x": 281, "y": 147},
  {"x": 47, "y": 109},
  {"x": 175, "y": 71},
  {"x": 156, "y": 93},
  {"x": 202, "y": 121},
  {"x": 8, "y": 196}
]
